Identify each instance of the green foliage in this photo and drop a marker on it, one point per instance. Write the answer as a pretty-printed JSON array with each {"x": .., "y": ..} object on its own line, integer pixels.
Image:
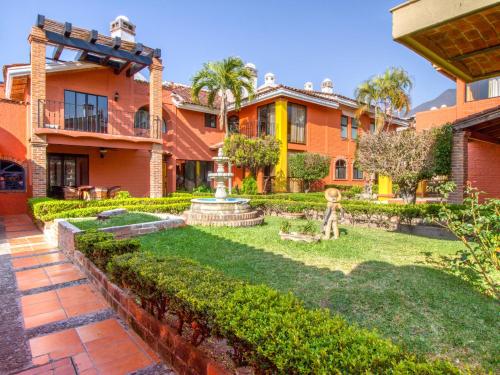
[
  {"x": 254, "y": 153},
  {"x": 202, "y": 189},
  {"x": 271, "y": 331},
  {"x": 442, "y": 150},
  {"x": 114, "y": 221},
  {"x": 86, "y": 241},
  {"x": 285, "y": 226},
  {"x": 308, "y": 167},
  {"x": 122, "y": 195},
  {"x": 249, "y": 186},
  {"x": 309, "y": 228},
  {"x": 478, "y": 227}
]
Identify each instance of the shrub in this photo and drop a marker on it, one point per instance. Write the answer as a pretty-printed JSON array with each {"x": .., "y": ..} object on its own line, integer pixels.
[
  {"x": 309, "y": 228},
  {"x": 105, "y": 250},
  {"x": 285, "y": 226},
  {"x": 308, "y": 167},
  {"x": 249, "y": 186},
  {"x": 122, "y": 195},
  {"x": 86, "y": 241},
  {"x": 202, "y": 189},
  {"x": 271, "y": 331}
]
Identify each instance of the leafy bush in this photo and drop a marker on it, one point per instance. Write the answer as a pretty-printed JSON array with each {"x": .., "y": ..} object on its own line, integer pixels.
[
  {"x": 285, "y": 226},
  {"x": 271, "y": 331},
  {"x": 86, "y": 241},
  {"x": 308, "y": 167},
  {"x": 309, "y": 228},
  {"x": 122, "y": 195},
  {"x": 202, "y": 189},
  {"x": 442, "y": 150},
  {"x": 249, "y": 186}
]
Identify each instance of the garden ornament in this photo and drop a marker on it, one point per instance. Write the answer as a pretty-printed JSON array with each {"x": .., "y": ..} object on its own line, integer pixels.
[{"x": 330, "y": 222}]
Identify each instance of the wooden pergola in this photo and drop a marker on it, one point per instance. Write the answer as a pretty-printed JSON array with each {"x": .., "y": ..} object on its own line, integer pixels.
[{"x": 96, "y": 48}]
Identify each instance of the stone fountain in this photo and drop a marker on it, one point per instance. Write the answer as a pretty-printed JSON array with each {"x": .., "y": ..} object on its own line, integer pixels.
[{"x": 222, "y": 210}]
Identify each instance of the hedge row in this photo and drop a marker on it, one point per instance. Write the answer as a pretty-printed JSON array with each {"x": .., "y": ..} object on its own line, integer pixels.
[
  {"x": 273, "y": 332},
  {"x": 47, "y": 210}
]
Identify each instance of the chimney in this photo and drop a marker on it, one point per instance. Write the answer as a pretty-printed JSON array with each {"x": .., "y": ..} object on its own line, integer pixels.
[
  {"x": 122, "y": 27},
  {"x": 269, "y": 79},
  {"x": 327, "y": 86},
  {"x": 308, "y": 86},
  {"x": 254, "y": 71}
]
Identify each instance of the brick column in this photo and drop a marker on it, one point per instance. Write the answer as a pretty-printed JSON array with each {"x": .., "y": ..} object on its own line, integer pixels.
[
  {"x": 155, "y": 97},
  {"x": 155, "y": 171},
  {"x": 459, "y": 165},
  {"x": 37, "y": 144}
]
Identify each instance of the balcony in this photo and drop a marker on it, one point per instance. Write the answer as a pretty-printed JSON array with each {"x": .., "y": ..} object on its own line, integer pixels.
[
  {"x": 251, "y": 129},
  {"x": 60, "y": 116}
]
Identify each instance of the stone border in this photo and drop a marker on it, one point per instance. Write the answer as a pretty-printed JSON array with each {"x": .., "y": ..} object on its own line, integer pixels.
[{"x": 161, "y": 337}]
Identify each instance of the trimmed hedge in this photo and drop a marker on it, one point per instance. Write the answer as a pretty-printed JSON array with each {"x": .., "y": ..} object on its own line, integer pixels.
[
  {"x": 101, "y": 246},
  {"x": 273, "y": 332}
]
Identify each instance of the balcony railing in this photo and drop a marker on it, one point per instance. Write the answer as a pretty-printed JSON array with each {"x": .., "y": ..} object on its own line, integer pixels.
[
  {"x": 251, "y": 129},
  {"x": 85, "y": 118}
]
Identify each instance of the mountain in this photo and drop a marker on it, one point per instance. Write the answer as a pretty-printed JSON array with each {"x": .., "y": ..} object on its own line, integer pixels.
[{"x": 447, "y": 97}]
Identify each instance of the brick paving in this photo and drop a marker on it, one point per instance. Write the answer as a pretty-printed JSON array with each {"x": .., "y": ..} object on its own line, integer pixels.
[{"x": 52, "y": 320}]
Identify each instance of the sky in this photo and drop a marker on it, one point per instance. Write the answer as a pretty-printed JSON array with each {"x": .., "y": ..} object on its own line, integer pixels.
[{"x": 297, "y": 40}]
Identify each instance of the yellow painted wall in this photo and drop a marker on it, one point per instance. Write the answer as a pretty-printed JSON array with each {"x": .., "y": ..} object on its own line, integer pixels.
[
  {"x": 281, "y": 170},
  {"x": 384, "y": 188}
]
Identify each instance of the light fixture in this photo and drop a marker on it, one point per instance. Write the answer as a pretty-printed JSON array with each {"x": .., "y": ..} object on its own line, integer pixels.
[
  {"x": 103, "y": 152},
  {"x": 117, "y": 96}
]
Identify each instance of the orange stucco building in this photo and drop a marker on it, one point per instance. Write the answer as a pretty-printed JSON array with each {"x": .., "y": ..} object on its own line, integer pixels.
[{"x": 69, "y": 127}]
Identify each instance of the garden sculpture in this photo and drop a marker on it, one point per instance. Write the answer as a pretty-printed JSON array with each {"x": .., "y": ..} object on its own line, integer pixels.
[{"x": 330, "y": 223}]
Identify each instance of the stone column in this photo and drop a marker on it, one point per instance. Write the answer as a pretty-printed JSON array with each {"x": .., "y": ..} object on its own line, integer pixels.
[
  {"x": 37, "y": 148},
  {"x": 155, "y": 97},
  {"x": 155, "y": 171},
  {"x": 459, "y": 165}
]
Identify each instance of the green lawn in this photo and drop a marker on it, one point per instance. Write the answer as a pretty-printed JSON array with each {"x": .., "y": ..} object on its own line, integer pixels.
[
  {"x": 114, "y": 221},
  {"x": 378, "y": 279}
]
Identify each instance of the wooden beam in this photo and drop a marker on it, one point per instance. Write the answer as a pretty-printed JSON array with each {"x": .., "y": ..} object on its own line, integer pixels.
[
  {"x": 124, "y": 66},
  {"x": 474, "y": 53},
  {"x": 99, "y": 49},
  {"x": 135, "y": 68},
  {"x": 157, "y": 53},
  {"x": 138, "y": 49},
  {"x": 117, "y": 42},
  {"x": 93, "y": 36},
  {"x": 67, "y": 29},
  {"x": 40, "y": 21},
  {"x": 98, "y": 60},
  {"x": 484, "y": 137},
  {"x": 57, "y": 52}
]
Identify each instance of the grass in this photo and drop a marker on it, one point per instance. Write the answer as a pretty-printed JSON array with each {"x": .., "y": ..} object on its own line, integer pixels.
[
  {"x": 382, "y": 280},
  {"x": 114, "y": 221}
]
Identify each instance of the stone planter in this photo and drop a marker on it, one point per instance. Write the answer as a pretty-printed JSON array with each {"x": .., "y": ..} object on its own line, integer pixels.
[{"x": 300, "y": 237}]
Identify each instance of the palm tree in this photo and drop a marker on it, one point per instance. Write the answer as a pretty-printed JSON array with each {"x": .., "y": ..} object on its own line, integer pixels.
[
  {"x": 227, "y": 80},
  {"x": 386, "y": 94}
]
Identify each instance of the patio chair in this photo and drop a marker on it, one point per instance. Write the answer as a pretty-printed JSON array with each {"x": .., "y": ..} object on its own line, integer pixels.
[{"x": 113, "y": 190}]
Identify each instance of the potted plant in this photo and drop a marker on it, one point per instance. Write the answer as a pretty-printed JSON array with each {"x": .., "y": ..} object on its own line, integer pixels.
[{"x": 307, "y": 232}]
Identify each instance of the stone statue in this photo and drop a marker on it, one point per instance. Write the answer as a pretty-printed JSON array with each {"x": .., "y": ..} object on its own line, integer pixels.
[{"x": 330, "y": 223}]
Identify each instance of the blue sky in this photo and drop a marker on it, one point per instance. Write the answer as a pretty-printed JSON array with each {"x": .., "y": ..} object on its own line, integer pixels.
[{"x": 297, "y": 40}]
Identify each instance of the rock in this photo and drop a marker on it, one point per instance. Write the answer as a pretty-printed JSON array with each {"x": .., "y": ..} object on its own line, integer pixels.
[{"x": 107, "y": 214}]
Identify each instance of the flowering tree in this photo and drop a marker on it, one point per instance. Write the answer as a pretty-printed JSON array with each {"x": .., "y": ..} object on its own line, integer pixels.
[
  {"x": 308, "y": 167},
  {"x": 405, "y": 156}
]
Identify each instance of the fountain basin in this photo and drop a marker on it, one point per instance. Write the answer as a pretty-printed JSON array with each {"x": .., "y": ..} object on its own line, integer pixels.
[{"x": 232, "y": 212}]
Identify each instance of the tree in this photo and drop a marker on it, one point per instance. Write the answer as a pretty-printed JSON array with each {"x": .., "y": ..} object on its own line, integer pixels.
[
  {"x": 405, "y": 156},
  {"x": 227, "y": 80},
  {"x": 253, "y": 153},
  {"x": 308, "y": 167},
  {"x": 387, "y": 95}
]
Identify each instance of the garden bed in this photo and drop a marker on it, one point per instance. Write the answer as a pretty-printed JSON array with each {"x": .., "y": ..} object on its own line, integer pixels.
[{"x": 115, "y": 221}]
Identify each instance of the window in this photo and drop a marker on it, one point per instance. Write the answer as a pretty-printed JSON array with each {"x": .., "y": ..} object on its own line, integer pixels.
[
  {"x": 165, "y": 123},
  {"x": 85, "y": 112},
  {"x": 66, "y": 170},
  {"x": 266, "y": 120},
  {"x": 484, "y": 89},
  {"x": 192, "y": 173},
  {"x": 296, "y": 123},
  {"x": 373, "y": 128},
  {"x": 12, "y": 176},
  {"x": 340, "y": 170},
  {"x": 234, "y": 124},
  {"x": 357, "y": 174},
  {"x": 343, "y": 127},
  {"x": 354, "y": 128},
  {"x": 210, "y": 121}
]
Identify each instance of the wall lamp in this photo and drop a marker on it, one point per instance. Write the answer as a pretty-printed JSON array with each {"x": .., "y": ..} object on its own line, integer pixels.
[
  {"x": 117, "y": 96},
  {"x": 103, "y": 152}
]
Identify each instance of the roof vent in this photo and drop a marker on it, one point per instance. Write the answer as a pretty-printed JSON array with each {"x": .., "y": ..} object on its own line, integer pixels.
[
  {"x": 308, "y": 86},
  {"x": 327, "y": 86},
  {"x": 122, "y": 27},
  {"x": 269, "y": 79}
]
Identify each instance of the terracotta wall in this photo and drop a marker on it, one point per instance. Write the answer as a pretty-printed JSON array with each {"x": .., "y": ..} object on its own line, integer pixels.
[
  {"x": 13, "y": 148},
  {"x": 126, "y": 168},
  {"x": 484, "y": 167}
]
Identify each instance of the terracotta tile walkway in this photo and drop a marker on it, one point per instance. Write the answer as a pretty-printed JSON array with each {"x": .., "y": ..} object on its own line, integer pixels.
[{"x": 57, "y": 323}]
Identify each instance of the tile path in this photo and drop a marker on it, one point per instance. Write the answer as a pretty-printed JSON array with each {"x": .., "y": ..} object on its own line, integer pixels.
[{"x": 52, "y": 320}]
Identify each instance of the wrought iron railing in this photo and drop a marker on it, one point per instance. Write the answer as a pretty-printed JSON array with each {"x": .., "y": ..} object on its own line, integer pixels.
[
  {"x": 86, "y": 118},
  {"x": 251, "y": 129}
]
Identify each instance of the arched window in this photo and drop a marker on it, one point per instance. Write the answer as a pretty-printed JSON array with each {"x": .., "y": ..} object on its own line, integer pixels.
[
  {"x": 141, "y": 121},
  {"x": 357, "y": 173},
  {"x": 12, "y": 176},
  {"x": 234, "y": 124},
  {"x": 340, "y": 170}
]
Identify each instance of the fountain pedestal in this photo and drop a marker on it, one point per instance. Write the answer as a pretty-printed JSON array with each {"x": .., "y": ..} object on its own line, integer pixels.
[{"x": 221, "y": 210}]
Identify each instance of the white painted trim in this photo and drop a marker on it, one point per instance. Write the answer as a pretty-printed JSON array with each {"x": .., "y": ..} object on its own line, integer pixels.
[
  {"x": 25, "y": 70},
  {"x": 193, "y": 107}
]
